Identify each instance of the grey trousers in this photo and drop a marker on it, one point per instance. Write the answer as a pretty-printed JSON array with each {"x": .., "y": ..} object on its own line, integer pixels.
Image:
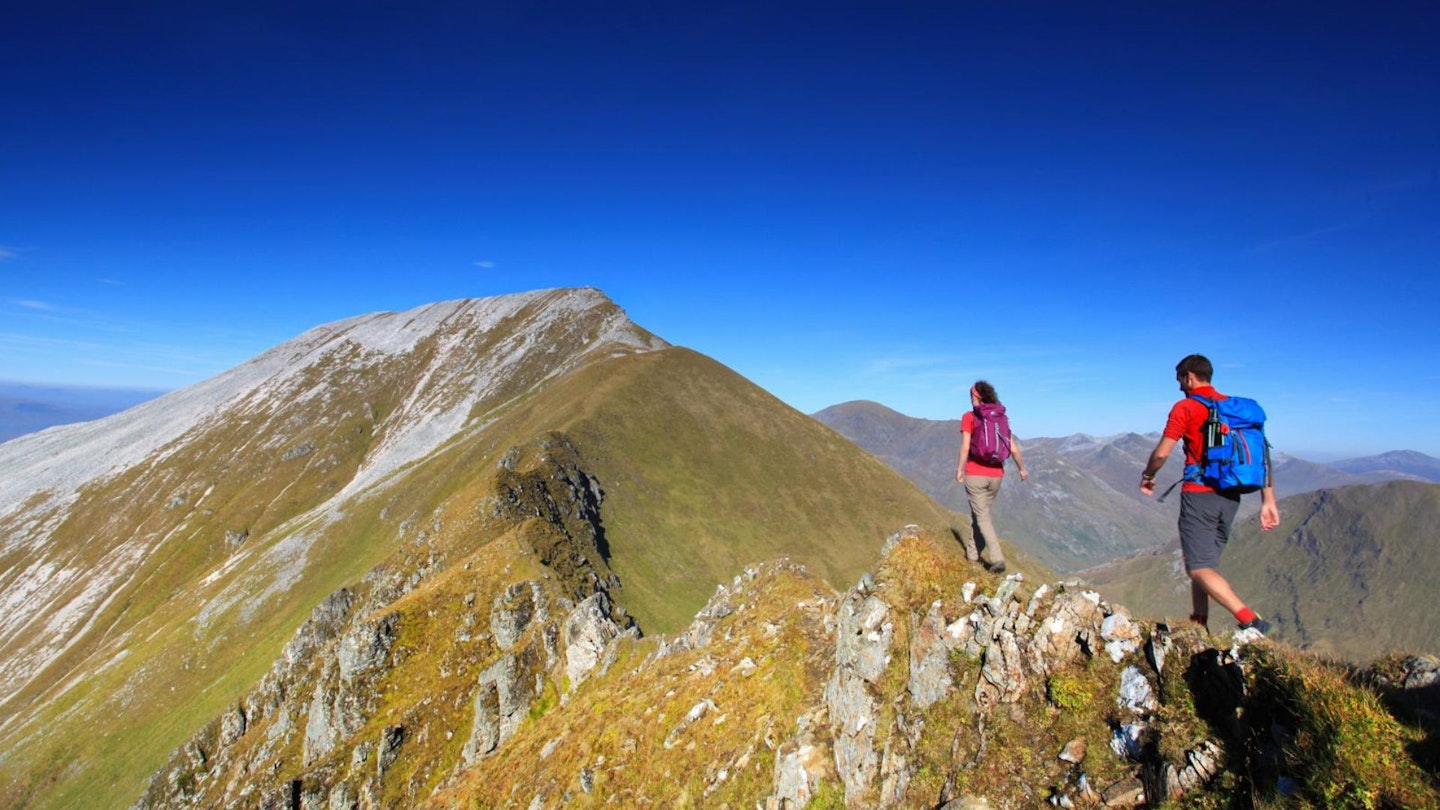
[{"x": 981, "y": 491}]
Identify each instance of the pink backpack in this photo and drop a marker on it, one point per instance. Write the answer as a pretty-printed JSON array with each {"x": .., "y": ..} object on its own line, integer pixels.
[{"x": 990, "y": 437}]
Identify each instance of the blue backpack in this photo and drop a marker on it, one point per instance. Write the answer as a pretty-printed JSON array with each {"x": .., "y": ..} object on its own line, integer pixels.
[
  {"x": 1236, "y": 455},
  {"x": 1236, "y": 458}
]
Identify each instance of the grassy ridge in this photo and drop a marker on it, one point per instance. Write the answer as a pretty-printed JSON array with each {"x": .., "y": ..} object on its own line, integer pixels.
[{"x": 704, "y": 472}]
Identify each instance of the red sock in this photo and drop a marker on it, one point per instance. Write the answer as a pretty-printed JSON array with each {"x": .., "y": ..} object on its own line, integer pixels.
[{"x": 1245, "y": 615}]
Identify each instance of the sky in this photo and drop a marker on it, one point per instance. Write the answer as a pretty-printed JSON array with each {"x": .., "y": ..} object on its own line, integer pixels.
[{"x": 878, "y": 200}]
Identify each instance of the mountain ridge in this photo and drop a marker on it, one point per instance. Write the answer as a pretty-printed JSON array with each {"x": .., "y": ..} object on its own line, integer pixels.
[{"x": 153, "y": 584}]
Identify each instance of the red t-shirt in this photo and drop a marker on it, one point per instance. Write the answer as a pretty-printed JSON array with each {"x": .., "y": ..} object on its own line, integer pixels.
[
  {"x": 973, "y": 467},
  {"x": 1186, "y": 423}
]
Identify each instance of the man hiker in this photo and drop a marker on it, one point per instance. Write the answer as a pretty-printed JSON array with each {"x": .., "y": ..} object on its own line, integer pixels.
[
  {"x": 1206, "y": 514},
  {"x": 985, "y": 443}
]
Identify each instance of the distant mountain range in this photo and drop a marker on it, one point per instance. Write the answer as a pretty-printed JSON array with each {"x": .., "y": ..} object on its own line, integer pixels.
[
  {"x": 30, "y": 408},
  {"x": 1081, "y": 506},
  {"x": 1348, "y": 572}
]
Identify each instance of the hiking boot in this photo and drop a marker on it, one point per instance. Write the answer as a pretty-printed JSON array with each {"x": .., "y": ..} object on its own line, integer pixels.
[{"x": 1259, "y": 625}]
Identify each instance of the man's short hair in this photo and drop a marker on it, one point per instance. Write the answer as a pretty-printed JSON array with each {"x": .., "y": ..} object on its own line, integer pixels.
[
  {"x": 1197, "y": 364},
  {"x": 986, "y": 392}
]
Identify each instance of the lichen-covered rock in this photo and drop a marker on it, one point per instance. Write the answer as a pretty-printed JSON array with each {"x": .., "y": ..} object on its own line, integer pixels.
[
  {"x": 931, "y": 644},
  {"x": 365, "y": 647},
  {"x": 1068, "y": 632},
  {"x": 1136, "y": 695},
  {"x": 863, "y": 635},
  {"x": 1121, "y": 636},
  {"x": 588, "y": 630},
  {"x": 804, "y": 762},
  {"x": 514, "y": 610}
]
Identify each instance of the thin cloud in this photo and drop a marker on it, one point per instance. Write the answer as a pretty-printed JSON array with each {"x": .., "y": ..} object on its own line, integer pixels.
[
  {"x": 485, "y": 265},
  {"x": 7, "y": 253},
  {"x": 1302, "y": 238},
  {"x": 30, "y": 303},
  {"x": 112, "y": 282}
]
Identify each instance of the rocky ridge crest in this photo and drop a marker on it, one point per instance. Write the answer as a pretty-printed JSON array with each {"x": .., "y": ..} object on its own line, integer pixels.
[{"x": 928, "y": 684}]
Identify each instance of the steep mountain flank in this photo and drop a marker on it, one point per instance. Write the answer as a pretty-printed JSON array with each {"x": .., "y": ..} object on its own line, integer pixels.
[{"x": 1347, "y": 573}]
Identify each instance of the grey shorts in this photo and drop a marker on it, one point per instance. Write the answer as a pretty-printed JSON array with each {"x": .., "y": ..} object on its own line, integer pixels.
[{"x": 1205, "y": 519}]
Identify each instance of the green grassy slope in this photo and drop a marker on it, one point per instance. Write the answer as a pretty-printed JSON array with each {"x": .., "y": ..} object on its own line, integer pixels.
[{"x": 704, "y": 473}]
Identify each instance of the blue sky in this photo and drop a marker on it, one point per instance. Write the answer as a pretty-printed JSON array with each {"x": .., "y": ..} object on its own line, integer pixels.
[{"x": 840, "y": 201}]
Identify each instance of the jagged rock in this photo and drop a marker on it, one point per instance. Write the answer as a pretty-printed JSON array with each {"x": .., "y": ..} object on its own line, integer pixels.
[
  {"x": 514, "y": 610},
  {"x": 1421, "y": 671},
  {"x": 1157, "y": 647},
  {"x": 343, "y": 797},
  {"x": 696, "y": 712},
  {"x": 298, "y": 451},
  {"x": 1003, "y": 676},
  {"x": 325, "y": 622},
  {"x": 335, "y": 713},
  {"x": 1037, "y": 599},
  {"x": 1065, "y": 635},
  {"x": 931, "y": 644},
  {"x": 1136, "y": 695},
  {"x": 390, "y": 741},
  {"x": 896, "y": 771},
  {"x": 232, "y": 726},
  {"x": 803, "y": 762},
  {"x": 1120, "y": 635},
  {"x": 588, "y": 629},
  {"x": 1006, "y": 592},
  {"x": 1125, "y": 740},
  {"x": 503, "y": 696},
  {"x": 863, "y": 636},
  {"x": 366, "y": 646}
]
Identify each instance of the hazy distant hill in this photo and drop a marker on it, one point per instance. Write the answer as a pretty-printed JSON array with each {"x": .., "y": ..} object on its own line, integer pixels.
[
  {"x": 157, "y": 562},
  {"x": 29, "y": 408},
  {"x": 1350, "y": 571},
  {"x": 1396, "y": 462},
  {"x": 1073, "y": 512},
  {"x": 1081, "y": 506}
]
